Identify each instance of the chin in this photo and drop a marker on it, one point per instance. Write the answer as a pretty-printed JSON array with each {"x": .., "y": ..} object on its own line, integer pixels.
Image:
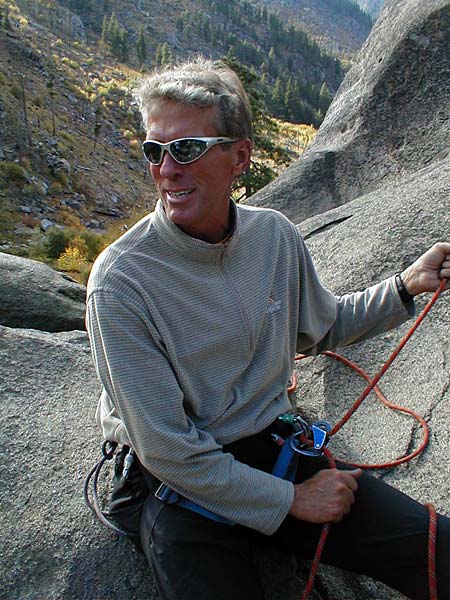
[{"x": 180, "y": 216}]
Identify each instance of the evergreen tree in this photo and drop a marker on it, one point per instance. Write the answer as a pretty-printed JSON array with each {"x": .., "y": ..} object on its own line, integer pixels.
[
  {"x": 97, "y": 124},
  {"x": 25, "y": 111},
  {"x": 324, "y": 99},
  {"x": 179, "y": 24},
  {"x": 4, "y": 17},
  {"x": 123, "y": 45},
  {"x": 141, "y": 48},
  {"x": 115, "y": 42},
  {"x": 264, "y": 15},
  {"x": 163, "y": 56},
  {"x": 258, "y": 174},
  {"x": 167, "y": 56},
  {"x": 278, "y": 96},
  {"x": 105, "y": 31},
  {"x": 158, "y": 55}
]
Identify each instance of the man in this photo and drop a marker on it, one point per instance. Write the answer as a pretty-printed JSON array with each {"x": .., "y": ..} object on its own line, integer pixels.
[{"x": 195, "y": 316}]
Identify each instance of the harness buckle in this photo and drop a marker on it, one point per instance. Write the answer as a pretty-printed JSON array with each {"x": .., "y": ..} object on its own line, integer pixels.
[{"x": 166, "y": 494}]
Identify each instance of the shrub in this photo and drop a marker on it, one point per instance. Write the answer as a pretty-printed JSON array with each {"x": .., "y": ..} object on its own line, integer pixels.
[
  {"x": 33, "y": 188},
  {"x": 84, "y": 273},
  {"x": 94, "y": 242},
  {"x": 25, "y": 163},
  {"x": 67, "y": 217},
  {"x": 16, "y": 90},
  {"x": 48, "y": 125},
  {"x": 62, "y": 177},
  {"x": 71, "y": 260},
  {"x": 57, "y": 240},
  {"x": 29, "y": 221},
  {"x": 66, "y": 61},
  {"x": 78, "y": 243},
  {"x": 55, "y": 188},
  {"x": 13, "y": 171},
  {"x": 128, "y": 134},
  {"x": 136, "y": 144},
  {"x": 135, "y": 154},
  {"x": 38, "y": 101},
  {"x": 67, "y": 136}
]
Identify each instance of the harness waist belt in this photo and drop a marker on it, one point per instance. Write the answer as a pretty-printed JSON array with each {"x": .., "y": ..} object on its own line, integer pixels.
[
  {"x": 291, "y": 446},
  {"x": 169, "y": 496}
]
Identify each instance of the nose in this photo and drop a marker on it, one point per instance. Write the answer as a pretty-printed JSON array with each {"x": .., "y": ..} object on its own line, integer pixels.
[{"x": 169, "y": 167}]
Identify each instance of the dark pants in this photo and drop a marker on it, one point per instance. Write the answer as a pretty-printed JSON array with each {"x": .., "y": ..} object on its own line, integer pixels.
[{"x": 384, "y": 536}]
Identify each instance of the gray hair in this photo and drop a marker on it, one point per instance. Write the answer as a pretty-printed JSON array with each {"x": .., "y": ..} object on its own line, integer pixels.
[{"x": 200, "y": 82}]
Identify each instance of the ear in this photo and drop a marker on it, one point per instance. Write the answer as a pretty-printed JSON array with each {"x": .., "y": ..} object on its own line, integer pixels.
[{"x": 242, "y": 152}]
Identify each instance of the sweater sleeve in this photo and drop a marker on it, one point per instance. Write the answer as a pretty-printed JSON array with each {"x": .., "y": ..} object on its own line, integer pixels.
[
  {"x": 327, "y": 321},
  {"x": 134, "y": 368}
]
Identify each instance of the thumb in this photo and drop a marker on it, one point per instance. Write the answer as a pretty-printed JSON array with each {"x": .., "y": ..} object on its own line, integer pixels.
[{"x": 356, "y": 473}]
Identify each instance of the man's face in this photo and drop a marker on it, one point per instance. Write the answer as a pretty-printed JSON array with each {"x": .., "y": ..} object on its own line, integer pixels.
[{"x": 195, "y": 196}]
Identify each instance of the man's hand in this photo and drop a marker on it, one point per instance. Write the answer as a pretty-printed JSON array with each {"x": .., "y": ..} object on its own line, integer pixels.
[
  {"x": 425, "y": 274},
  {"x": 326, "y": 497}
]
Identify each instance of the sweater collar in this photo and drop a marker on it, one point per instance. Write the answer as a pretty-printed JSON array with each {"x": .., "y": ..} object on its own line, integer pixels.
[{"x": 192, "y": 247}]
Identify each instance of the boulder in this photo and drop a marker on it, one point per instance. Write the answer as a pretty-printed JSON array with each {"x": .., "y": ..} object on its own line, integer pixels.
[
  {"x": 58, "y": 164},
  {"x": 389, "y": 118},
  {"x": 33, "y": 295},
  {"x": 51, "y": 546}
]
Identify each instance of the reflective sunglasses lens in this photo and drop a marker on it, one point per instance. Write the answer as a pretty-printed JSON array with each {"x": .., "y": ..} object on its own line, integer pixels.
[
  {"x": 153, "y": 152},
  {"x": 188, "y": 150}
]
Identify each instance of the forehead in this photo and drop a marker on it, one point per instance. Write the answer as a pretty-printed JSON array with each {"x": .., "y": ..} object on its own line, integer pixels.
[{"x": 168, "y": 120}]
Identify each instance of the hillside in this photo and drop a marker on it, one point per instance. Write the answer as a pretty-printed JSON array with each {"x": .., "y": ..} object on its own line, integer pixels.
[
  {"x": 70, "y": 138},
  {"x": 338, "y": 26},
  {"x": 289, "y": 62},
  {"x": 69, "y": 143},
  {"x": 372, "y": 7}
]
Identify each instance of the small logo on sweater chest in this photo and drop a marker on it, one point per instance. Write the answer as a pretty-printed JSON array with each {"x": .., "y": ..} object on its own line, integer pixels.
[{"x": 273, "y": 306}]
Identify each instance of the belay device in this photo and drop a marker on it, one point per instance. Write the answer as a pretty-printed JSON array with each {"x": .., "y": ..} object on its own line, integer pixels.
[{"x": 305, "y": 439}]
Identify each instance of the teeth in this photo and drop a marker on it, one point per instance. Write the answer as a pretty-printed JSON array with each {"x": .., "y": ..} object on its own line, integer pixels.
[{"x": 179, "y": 194}]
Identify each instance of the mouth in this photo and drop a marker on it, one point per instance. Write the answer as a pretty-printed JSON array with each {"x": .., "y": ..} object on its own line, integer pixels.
[{"x": 178, "y": 194}]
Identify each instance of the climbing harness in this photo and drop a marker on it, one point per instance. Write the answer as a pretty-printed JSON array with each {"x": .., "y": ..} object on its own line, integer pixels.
[
  {"x": 126, "y": 468},
  {"x": 372, "y": 385}
]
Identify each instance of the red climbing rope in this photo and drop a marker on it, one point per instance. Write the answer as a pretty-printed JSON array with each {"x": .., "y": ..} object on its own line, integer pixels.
[
  {"x": 392, "y": 406},
  {"x": 432, "y": 533},
  {"x": 373, "y": 386}
]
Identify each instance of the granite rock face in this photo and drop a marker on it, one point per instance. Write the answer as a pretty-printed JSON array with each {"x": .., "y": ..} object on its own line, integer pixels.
[
  {"x": 390, "y": 117},
  {"x": 34, "y": 295},
  {"x": 353, "y": 247}
]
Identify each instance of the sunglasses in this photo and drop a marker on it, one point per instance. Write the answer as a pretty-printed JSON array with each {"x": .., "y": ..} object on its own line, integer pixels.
[{"x": 183, "y": 150}]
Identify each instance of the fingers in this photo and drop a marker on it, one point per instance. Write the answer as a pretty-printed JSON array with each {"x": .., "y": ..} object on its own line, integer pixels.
[
  {"x": 426, "y": 273},
  {"x": 445, "y": 268},
  {"x": 353, "y": 477},
  {"x": 346, "y": 494},
  {"x": 326, "y": 497}
]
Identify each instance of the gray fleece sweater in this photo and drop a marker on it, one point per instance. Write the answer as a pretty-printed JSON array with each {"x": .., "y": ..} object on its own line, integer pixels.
[{"x": 194, "y": 345}]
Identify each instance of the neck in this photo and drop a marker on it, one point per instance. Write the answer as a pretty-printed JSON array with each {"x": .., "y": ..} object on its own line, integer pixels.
[{"x": 212, "y": 234}]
